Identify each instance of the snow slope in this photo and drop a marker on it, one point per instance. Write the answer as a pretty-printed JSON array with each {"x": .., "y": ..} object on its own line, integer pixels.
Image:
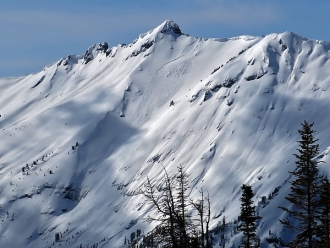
[{"x": 226, "y": 109}]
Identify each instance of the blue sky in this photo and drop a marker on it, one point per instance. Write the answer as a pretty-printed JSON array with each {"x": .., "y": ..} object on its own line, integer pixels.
[{"x": 36, "y": 33}]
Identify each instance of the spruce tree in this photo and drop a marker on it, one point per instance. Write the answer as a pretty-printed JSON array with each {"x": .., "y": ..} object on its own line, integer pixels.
[
  {"x": 248, "y": 217},
  {"x": 304, "y": 190},
  {"x": 323, "y": 228}
]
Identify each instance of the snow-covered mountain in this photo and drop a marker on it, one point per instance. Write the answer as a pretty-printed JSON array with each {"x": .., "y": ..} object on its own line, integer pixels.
[{"x": 89, "y": 128}]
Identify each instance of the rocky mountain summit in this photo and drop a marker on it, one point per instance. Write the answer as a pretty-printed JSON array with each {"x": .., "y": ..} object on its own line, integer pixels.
[{"x": 80, "y": 137}]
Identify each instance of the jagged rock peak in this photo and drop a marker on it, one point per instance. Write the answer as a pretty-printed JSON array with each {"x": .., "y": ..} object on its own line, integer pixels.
[
  {"x": 170, "y": 26},
  {"x": 93, "y": 50}
]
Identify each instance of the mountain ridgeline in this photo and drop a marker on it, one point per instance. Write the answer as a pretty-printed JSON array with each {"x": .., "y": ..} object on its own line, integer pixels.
[{"x": 80, "y": 138}]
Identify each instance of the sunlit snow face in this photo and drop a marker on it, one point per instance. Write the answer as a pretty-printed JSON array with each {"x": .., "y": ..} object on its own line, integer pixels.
[{"x": 226, "y": 109}]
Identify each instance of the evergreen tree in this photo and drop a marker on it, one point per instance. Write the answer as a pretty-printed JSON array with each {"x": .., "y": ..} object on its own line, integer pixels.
[
  {"x": 248, "y": 217},
  {"x": 304, "y": 190},
  {"x": 323, "y": 228}
]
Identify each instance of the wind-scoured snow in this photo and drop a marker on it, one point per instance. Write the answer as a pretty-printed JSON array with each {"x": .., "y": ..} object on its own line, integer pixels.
[{"x": 228, "y": 110}]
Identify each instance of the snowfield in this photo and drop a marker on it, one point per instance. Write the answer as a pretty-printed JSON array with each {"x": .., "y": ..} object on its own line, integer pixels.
[{"x": 90, "y": 128}]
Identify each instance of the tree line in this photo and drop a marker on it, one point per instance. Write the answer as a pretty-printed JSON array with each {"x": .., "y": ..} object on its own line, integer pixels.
[{"x": 183, "y": 222}]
